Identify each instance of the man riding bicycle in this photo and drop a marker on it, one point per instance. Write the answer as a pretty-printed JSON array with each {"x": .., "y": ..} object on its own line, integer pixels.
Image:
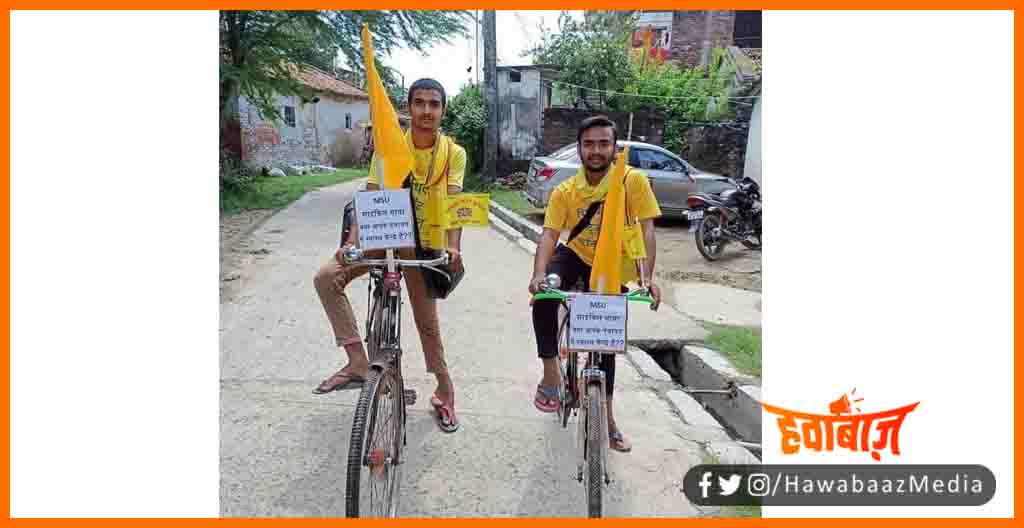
[
  {"x": 440, "y": 167},
  {"x": 574, "y": 205}
]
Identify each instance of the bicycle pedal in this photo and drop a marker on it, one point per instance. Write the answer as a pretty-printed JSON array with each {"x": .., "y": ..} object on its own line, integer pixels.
[{"x": 410, "y": 397}]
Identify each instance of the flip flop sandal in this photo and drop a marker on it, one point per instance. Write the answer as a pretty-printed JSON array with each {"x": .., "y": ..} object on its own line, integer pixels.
[
  {"x": 617, "y": 441},
  {"x": 446, "y": 418},
  {"x": 547, "y": 399},
  {"x": 352, "y": 381}
]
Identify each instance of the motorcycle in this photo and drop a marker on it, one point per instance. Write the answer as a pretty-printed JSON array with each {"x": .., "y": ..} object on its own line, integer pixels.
[{"x": 733, "y": 215}]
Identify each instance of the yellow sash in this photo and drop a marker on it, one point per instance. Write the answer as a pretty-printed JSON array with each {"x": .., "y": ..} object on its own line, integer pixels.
[
  {"x": 439, "y": 156},
  {"x": 430, "y": 191},
  {"x": 632, "y": 238}
]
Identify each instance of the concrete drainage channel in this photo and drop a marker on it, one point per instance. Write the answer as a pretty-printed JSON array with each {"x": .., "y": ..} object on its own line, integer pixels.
[
  {"x": 699, "y": 384},
  {"x": 704, "y": 388}
]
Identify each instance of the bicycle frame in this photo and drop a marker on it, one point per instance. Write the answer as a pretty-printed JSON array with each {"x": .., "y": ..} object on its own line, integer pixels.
[
  {"x": 589, "y": 375},
  {"x": 386, "y": 287}
]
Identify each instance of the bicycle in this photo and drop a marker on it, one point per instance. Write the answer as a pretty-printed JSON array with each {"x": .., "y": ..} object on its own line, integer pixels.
[
  {"x": 592, "y": 426},
  {"x": 378, "y": 428}
]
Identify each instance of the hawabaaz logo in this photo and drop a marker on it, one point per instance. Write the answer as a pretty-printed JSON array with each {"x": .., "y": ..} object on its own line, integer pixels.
[{"x": 844, "y": 428}]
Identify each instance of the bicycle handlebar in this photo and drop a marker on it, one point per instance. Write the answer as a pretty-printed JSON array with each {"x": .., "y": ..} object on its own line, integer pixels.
[
  {"x": 354, "y": 255},
  {"x": 638, "y": 295}
]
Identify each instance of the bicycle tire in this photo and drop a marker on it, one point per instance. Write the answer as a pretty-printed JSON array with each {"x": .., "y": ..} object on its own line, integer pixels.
[
  {"x": 595, "y": 457},
  {"x": 380, "y": 405},
  {"x": 568, "y": 389}
]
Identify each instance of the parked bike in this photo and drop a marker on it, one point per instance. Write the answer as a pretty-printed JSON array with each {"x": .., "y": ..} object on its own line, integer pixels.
[{"x": 733, "y": 215}]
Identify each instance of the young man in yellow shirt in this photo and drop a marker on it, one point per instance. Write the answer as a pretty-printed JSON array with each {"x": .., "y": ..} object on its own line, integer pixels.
[
  {"x": 440, "y": 168},
  {"x": 596, "y": 144}
]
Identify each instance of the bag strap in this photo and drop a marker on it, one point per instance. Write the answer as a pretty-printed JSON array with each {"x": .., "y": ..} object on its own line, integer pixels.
[
  {"x": 585, "y": 221},
  {"x": 589, "y": 214}
]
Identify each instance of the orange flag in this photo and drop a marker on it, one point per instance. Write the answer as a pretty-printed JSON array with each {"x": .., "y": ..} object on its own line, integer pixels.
[
  {"x": 606, "y": 275},
  {"x": 394, "y": 160}
]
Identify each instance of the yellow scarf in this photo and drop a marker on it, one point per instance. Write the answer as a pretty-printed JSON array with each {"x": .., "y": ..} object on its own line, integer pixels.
[
  {"x": 440, "y": 157},
  {"x": 633, "y": 237}
]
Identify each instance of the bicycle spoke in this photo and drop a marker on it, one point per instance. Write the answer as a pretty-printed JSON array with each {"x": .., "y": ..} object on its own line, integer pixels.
[{"x": 382, "y": 481}]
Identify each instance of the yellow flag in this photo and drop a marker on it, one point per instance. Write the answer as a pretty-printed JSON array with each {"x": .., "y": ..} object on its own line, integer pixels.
[
  {"x": 394, "y": 160},
  {"x": 634, "y": 242},
  {"x": 468, "y": 210},
  {"x": 606, "y": 275}
]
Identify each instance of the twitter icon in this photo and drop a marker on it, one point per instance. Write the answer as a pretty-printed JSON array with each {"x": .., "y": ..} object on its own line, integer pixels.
[{"x": 730, "y": 485}]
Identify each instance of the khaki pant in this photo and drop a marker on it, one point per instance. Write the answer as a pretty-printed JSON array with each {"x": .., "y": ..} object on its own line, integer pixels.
[{"x": 330, "y": 284}]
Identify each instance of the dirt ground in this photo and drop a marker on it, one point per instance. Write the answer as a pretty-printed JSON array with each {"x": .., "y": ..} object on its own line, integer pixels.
[
  {"x": 679, "y": 260},
  {"x": 234, "y": 250}
]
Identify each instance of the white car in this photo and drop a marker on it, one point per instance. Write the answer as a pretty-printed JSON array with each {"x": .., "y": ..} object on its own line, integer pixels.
[{"x": 672, "y": 179}]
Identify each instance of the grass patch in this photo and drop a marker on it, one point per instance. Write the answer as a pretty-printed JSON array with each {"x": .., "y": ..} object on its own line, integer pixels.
[
  {"x": 742, "y": 346},
  {"x": 730, "y": 511},
  {"x": 514, "y": 201},
  {"x": 510, "y": 199},
  {"x": 473, "y": 182},
  {"x": 741, "y": 511},
  {"x": 273, "y": 193}
]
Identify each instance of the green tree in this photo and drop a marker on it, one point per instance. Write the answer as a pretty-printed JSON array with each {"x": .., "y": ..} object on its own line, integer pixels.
[
  {"x": 593, "y": 54},
  {"x": 683, "y": 95},
  {"x": 622, "y": 19},
  {"x": 465, "y": 121},
  {"x": 259, "y": 48},
  {"x": 597, "y": 54}
]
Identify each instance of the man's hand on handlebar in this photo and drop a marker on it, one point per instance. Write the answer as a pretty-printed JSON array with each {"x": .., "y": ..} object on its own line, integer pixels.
[
  {"x": 655, "y": 294},
  {"x": 538, "y": 284},
  {"x": 455, "y": 259},
  {"x": 339, "y": 255}
]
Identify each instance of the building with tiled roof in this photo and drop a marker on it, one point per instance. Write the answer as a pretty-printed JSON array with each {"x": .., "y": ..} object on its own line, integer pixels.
[{"x": 326, "y": 129}]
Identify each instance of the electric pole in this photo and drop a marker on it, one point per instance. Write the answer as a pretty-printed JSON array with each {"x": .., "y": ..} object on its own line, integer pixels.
[
  {"x": 490, "y": 165},
  {"x": 476, "y": 54}
]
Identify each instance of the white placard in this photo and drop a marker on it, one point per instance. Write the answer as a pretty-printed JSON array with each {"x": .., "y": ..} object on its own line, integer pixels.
[
  {"x": 598, "y": 323},
  {"x": 385, "y": 219}
]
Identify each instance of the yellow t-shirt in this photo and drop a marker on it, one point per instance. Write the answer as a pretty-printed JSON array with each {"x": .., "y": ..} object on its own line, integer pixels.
[
  {"x": 570, "y": 200},
  {"x": 428, "y": 198}
]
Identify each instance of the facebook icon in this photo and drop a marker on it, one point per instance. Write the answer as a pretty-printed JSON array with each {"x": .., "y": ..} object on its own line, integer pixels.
[{"x": 705, "y": 483}]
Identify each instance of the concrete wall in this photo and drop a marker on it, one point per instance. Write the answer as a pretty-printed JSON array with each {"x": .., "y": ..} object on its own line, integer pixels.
[
  {"x": 752, "y": 164},
  {"x": 318, "y": 137},
  {"x": 340, "y": 145},
  {"x": 519, "y": 115}
]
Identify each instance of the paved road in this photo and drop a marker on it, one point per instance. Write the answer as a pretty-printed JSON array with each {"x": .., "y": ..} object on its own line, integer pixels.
[{"x": 283, "y": 449}]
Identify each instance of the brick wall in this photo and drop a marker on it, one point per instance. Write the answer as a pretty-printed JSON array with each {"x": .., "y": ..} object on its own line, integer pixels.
[
  {"x": 717, "y": 149},
  {"x": 269, "y": 144},
  {"x": 560, "y": 125},
  {"x": 688, "y": 33}
]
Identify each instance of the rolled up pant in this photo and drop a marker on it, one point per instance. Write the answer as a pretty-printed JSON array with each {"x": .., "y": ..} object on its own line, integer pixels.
[
  {"x": 330, "y": 282},
  {"x": 570, "y": 267}
]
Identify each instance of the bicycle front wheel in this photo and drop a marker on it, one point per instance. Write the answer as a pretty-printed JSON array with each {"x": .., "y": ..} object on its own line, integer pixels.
[
  {"x": 596, "y": 439},
  {"x": 374, "y": 453},
  {"x": 567, "y": 393}
]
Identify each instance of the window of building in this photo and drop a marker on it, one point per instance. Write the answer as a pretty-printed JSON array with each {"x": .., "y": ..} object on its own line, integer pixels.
[
  {"x": 514, "y": 76},
  {"x": 289, "y": 116},
  {"x": 348, "y": 121}
]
